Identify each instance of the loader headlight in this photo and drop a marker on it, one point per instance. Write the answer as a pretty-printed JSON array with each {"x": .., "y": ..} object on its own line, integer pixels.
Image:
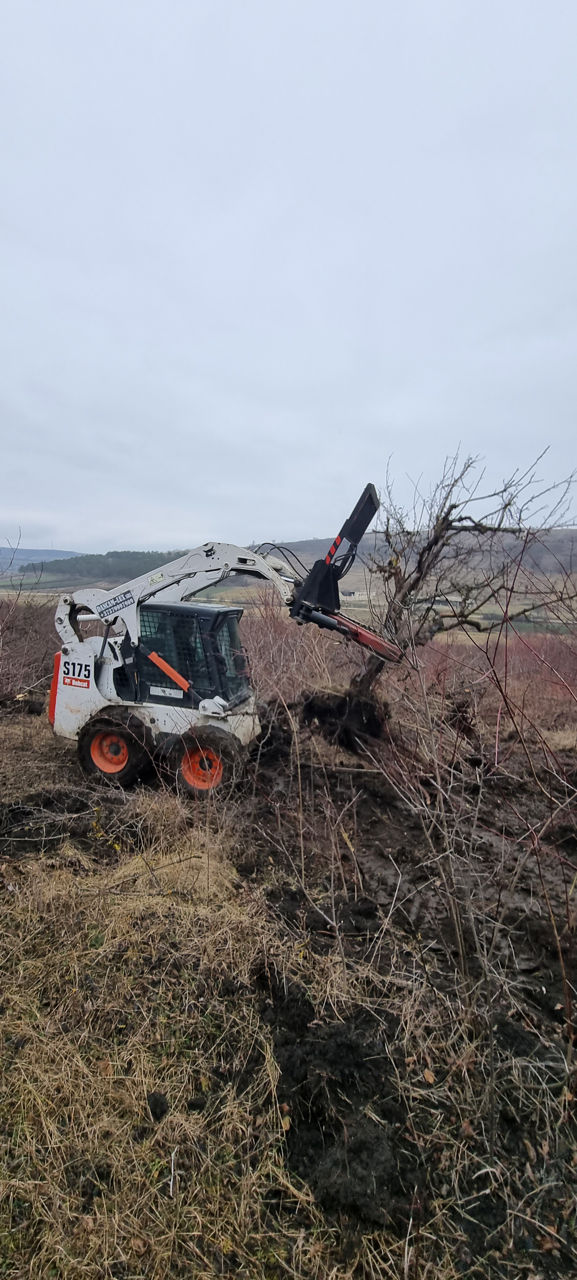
[{"x": 213, "y": 706}]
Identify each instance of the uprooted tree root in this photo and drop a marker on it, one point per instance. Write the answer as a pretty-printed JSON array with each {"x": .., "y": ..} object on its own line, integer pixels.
[{"x": 345, "y": 717}]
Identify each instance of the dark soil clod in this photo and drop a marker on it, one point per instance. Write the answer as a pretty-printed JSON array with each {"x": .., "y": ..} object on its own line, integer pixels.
[{"x": 157, "y": 1105}]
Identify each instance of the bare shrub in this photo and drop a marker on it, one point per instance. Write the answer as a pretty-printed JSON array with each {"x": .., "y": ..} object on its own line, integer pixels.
[
  {"x": 27, "y": 644},
  {"x": 285, "y": 659}
]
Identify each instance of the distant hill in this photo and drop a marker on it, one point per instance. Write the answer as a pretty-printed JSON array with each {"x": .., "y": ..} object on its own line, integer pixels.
[
  {"x": 557, "y": 552},
  {"x": 22, "y": 557},
  {"x": 84, "y": 570},
  {"x": 553, "y": 552}
]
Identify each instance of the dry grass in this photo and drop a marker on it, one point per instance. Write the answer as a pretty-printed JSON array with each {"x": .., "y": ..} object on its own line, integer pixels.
[
  {"x": 32, "y": 759},
  {"x": 92, "y": 1185},
  {"x": 174, "y": 860},
  {"x": 561, "y": 739}
]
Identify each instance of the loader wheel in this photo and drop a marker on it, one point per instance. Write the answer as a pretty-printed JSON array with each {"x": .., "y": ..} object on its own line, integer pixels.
[
  {"x": 206, "y": 762},
  {"x": 111, "y": 752}
]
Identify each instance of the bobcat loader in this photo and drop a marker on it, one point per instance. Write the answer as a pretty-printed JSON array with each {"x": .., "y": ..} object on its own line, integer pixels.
[{"x": 167, "y": 681}]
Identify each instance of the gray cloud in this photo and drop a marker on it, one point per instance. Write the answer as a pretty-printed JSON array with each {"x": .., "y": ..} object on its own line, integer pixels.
[{"x": 249, "y": 251}]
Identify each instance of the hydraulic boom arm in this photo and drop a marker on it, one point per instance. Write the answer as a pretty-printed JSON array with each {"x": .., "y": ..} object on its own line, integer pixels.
[{"x": 315, "y": 600}]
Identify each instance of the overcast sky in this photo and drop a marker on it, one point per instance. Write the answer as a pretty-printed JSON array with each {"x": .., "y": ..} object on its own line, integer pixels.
[{"x": 249, "y": 249}]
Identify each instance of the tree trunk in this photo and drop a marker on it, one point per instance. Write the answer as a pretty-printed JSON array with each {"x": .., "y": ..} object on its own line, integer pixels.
[{"x": 363, "y": 683}]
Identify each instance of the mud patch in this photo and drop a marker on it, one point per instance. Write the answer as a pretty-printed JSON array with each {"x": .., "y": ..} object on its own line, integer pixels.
[
  {"x": 354, "y": 921},
  {"x": 41, "y": 822},
  {"x": 346, "y": 1122},
  {"x": 21, "y": 706},
  {"x": 362, "y": 858}
]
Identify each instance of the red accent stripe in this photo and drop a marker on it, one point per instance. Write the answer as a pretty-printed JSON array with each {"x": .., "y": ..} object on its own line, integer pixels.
[
  {"x": 370, "y": 640},
  {"x": 54, "y": 688},
  {"x": 169, "y": 671},
  {"x": 336, "y": 543}
]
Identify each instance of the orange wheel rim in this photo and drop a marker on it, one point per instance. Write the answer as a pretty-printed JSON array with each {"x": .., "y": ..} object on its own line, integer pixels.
[
  {"x": 109, "y": 752},
  {"x": 201, "y": 768}
]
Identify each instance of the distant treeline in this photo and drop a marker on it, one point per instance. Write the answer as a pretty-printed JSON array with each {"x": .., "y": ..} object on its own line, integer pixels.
[{"x": 114, "y": 566}]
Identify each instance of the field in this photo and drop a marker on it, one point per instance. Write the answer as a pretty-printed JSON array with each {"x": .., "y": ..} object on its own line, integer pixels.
[{"x": 323, "y": 1028}]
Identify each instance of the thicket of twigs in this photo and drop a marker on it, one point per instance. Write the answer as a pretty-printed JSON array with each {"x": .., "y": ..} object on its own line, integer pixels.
[{"x": 27, "y": 644}]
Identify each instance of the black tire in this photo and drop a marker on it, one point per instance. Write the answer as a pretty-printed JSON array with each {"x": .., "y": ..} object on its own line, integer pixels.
[
  {"x": 113, "y": 751},
  {"x": 206, "y": 763}
]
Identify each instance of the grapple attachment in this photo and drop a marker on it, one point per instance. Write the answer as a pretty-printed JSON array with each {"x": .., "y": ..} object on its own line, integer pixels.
[{"x": 318, "y": 599}]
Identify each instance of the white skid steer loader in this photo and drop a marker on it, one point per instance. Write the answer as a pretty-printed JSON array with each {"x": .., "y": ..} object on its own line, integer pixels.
[{"x": 167, "y": 681}]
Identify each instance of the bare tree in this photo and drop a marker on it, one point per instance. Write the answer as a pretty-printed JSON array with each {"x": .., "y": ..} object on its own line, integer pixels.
[{"x": 462, "y": 550}]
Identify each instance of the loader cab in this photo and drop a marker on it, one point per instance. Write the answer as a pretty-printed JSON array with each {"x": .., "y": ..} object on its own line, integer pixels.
[{"x": 186, "y": 653}]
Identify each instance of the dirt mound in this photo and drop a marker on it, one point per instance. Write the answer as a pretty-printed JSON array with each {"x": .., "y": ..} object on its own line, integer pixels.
[{"x": 378, "y": 1121}]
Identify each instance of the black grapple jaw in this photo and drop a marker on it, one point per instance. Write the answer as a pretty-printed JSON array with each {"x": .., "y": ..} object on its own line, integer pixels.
[
  {"x": 320, "y": 590},
  {"x": 318, "y": 599}
]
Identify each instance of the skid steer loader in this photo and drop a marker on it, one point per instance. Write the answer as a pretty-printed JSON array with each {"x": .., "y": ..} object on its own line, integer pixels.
[{"x": 167, "y": 681}]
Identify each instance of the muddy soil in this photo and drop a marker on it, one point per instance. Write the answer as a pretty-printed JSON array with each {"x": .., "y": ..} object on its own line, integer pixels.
[
  {"x": 329, "y": 818},
  {"x": 347, "y": 1134},
  {"x": 322, "y": 824},
  {"x": 375, "y": 1159}
]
